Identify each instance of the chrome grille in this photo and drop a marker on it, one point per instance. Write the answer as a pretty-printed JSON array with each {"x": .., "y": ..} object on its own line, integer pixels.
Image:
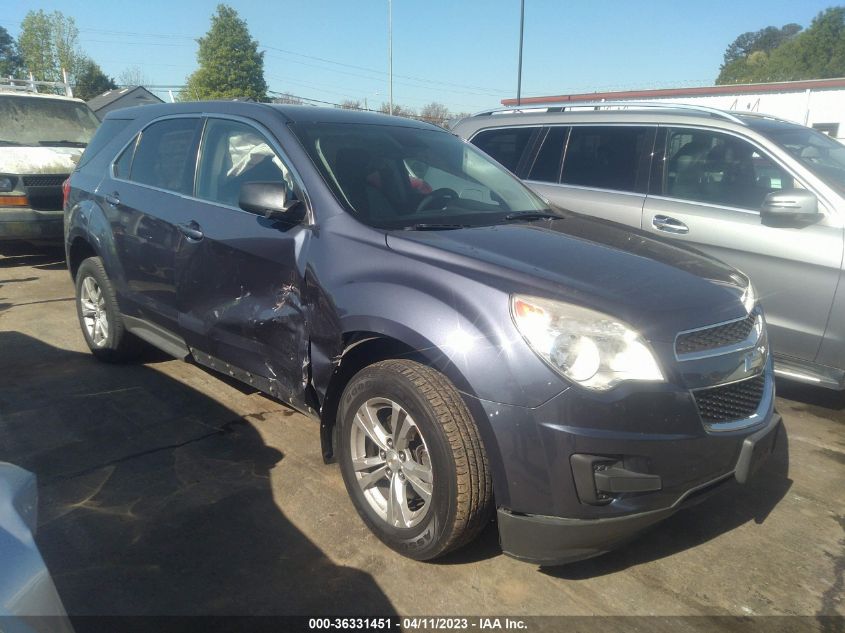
[
  {"x": 715, "y": 337},
  {"x": 729, "y": 403},
  {"x": 44, "y": 180}
]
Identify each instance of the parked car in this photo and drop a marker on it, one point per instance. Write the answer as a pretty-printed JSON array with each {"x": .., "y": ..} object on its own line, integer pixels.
[
  {"x": 464, "y": 347},
  {"x": 29, "y": 602},
  {"x": 762, "y": 194},
  {"x": 41, "y": 139}
]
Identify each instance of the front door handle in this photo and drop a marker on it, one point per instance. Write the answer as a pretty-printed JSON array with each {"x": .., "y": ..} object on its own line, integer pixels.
[
  {"x": 191, "y": 230},
  {"x": 113, "y": 199},
  {"x": 669, "y": 225}
]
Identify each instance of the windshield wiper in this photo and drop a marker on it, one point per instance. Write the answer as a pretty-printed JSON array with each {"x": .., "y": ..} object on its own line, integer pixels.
[
  {"x": 532, "y": 215},
  {"x": 423, "y": 226},
  {"x": 64, "y": 142}
]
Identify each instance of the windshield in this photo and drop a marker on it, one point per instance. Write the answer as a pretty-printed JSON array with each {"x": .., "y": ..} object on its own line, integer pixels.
[
  {"x": 821, "y": 154},
  {"x": 33, "y": 121},
  {"x": 401, "y": 177}
]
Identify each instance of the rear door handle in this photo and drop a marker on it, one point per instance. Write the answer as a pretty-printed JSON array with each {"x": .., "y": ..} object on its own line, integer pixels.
[
  {"x": 191, "y": 230},
  {"x": 669, "y": 225},
  {"x": 113, "y": 199}
]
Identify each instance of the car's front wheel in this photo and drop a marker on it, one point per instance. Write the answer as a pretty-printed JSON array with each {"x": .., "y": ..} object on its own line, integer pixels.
[
  {"x": 412, "y": 459},
  {"x": 99, "y": 316}
]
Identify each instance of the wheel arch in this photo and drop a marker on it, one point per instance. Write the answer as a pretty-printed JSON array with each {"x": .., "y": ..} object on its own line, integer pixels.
[
  {"x": 78, "y": 251},
  {"x": 363, "y": 348}
]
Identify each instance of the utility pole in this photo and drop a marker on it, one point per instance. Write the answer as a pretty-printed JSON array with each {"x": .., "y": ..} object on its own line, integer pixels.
[
  {"x": 390, "y": 52},
  {"x": 519, "y": 72}
]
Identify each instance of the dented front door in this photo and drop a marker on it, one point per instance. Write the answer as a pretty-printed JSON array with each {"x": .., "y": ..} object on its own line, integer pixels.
[{"x": 241, "y": 287}]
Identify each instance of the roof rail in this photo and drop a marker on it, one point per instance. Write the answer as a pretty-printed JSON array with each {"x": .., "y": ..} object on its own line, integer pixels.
[
  {"x": 561, "y": 107},
  {"x": 763, "y": 115},
  {"x": 30, "y": 85}
]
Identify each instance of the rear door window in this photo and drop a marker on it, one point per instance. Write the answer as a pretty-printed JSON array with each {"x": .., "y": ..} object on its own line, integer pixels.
[
  {"x": 506, "y": 145},
  {"x": 546, "y": 167},
  {"x": 609, "y": 157},
  {"x": 166, "y": 155}
]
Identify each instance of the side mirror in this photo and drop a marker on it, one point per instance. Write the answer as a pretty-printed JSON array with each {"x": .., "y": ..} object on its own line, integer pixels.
[
  {"x": 789, "y": 206},
  {"x": 273, "y": 200}
]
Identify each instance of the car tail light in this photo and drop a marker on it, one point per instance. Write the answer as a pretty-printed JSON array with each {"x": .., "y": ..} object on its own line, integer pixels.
[{"x": 65, "y": 191}]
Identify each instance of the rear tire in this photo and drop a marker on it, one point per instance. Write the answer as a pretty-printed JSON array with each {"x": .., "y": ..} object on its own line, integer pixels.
[
  {"x": 99, "y": 315},
  {"x": 412, "y": 459}
]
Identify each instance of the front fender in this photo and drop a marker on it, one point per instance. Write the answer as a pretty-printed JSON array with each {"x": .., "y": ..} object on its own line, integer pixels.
[{"x": 473, "y": 341}]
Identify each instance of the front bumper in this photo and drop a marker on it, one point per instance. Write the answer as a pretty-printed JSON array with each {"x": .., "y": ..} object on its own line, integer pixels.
[
  {"x": 18, "y": 223},
  {"x": 546, "y": 540}
]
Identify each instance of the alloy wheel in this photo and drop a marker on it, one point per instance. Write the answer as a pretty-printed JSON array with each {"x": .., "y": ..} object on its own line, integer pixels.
[
  {"x": 391, "y": 462},
  {"x": 94, "y": 315}
]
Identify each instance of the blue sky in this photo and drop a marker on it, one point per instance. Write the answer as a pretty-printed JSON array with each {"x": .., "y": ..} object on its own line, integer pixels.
[{"x": 462, "y": 53}]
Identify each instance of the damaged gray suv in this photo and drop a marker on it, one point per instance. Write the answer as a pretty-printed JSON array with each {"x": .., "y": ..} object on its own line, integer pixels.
[{"x": 466, "y": 349}]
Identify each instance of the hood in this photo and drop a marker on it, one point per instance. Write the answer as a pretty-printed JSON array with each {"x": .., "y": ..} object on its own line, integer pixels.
[
  {"x": 39, "y": 160},
  {"x": 657, "y": 287}
]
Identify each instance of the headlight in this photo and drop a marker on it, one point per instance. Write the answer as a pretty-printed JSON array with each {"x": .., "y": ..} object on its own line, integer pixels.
[{"x": 588, "y": 347}]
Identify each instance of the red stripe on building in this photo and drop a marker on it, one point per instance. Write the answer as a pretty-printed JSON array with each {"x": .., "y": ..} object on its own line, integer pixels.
[{"x": 664, "y": 93}]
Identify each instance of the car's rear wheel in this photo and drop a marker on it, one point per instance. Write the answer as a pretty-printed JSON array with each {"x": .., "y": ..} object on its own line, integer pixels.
[
  {"x": 412, "y": 459},
  {"x": 99, "y": 316}
]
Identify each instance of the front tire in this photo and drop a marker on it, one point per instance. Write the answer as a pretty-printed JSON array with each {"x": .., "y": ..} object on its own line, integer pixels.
[
  {"x": 99, "y": 315},
  {"x": 412, "y": 459}
]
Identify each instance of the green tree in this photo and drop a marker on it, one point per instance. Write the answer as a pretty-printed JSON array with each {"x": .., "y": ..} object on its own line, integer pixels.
[
  {"x": 10, "y": 58},
  {"x": 91, "y": 80},
  {"x": 788, "y": 53},
  {"x": 48, "y": 44},
  {"x": 230, "y": 65}
]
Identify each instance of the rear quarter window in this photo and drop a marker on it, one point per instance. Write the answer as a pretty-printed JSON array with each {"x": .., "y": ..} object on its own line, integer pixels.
[
  {"x": 105, "y": 133},
  {"x": 506, "y": 145}
]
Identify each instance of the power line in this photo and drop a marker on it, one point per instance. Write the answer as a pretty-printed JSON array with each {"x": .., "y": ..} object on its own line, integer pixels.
[{"x": 497, "y": 91}]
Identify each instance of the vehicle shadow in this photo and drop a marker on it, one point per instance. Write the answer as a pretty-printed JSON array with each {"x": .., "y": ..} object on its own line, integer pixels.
[
  {"x": 41, "y": 256},
  {"x": 727, "y": 509},
  {"x": 817, "y": 397},
  {"x": 155, "y": 499}
]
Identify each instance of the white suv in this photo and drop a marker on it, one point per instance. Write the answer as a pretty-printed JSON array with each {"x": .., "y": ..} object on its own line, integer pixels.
[{"x": 41, "y": 139}]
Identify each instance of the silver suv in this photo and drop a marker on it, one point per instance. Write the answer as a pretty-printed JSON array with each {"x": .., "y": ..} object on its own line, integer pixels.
[{"x": 760, "y": 193}]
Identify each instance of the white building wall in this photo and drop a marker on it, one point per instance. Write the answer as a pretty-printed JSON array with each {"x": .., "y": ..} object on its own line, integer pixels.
[{"x": 806, "y": 107}]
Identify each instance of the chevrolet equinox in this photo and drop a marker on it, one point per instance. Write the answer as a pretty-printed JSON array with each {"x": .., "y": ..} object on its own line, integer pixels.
[{"x": 466, "y": 348}]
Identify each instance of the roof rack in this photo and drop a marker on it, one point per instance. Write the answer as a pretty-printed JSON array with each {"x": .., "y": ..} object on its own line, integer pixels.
[
  {"x": 763, "y": 115},
  {"x": 30, "y": 85},
  {"x": 561, "y": 107}
]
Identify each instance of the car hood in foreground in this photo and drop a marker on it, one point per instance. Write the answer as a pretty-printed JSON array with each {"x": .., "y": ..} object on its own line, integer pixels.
[{"x": 657, "y": 287}]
